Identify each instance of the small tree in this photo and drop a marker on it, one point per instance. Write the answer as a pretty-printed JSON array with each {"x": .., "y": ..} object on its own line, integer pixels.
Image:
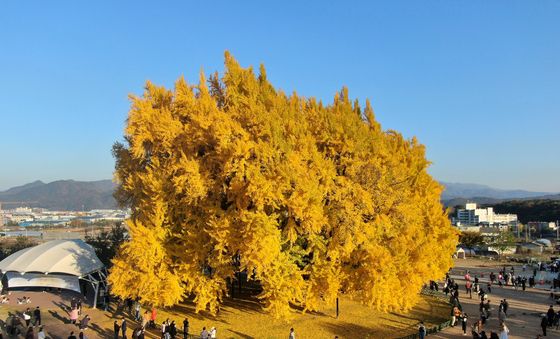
[
  {"x": 471, "y": 239},
  {"x": 106, "y": 243},
  {"x": 21, "y": 243},
  {"x": 503, "y": 241}
]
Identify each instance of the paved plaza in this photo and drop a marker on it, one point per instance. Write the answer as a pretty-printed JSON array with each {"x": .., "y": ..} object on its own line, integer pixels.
[{"x": 525, "y": 307}]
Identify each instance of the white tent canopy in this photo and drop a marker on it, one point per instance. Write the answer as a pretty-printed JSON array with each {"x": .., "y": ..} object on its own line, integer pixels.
[
  {"x": 58, "y": 264},
  {"x": 73, "y": 257}
]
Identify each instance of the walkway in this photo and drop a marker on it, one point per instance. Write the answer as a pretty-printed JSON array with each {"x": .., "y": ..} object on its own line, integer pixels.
[{"x": 525, "y": 307}]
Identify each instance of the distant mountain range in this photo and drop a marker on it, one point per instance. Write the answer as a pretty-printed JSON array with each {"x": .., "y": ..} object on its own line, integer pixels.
[
  {"x": 71, "y": 195},
  {"x": 67, "y": 195},
  {"x": 458, "y": 194},
  {"x": 458, "y": 190}
]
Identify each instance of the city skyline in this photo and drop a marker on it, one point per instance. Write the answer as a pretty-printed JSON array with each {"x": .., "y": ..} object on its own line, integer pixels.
[{"x": 475, "y": 82}]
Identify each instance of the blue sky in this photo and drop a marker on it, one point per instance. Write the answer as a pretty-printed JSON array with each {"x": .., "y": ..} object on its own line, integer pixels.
[{"x": 476, "y": 81}]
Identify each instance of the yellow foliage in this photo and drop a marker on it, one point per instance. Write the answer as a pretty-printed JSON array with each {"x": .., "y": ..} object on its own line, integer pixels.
[{"x": 312, "y": 201}]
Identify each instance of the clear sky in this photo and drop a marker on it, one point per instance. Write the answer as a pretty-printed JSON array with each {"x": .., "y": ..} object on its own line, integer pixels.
[{"x": 478, "y": 82}]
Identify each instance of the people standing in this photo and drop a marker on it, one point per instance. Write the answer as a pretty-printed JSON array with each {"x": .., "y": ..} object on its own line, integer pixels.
[
  {"x": 73, "y": 315},
  {"x": 72, "y": 336},
  {"x": 145, "y": 319},
  {"x": 116, "y": 329},
  {"x": 550, "y": 316},
  {"x": 123, "y": 328},
  {"x": 37, "y": 315},
  {"x": 41, "y": 334},
  {"x": 137, "y": 309},
  {"x": 292, "y": 334},
  {"x": 213, "y": 333},
  {"x": 27, "y": 317},
  {"x": 164, "y": 328},
  {"x": 173, "y": 329},
  {"x": 504, "y": 331},
  {"x": 85, "y": 322},
  {"x": 185, "y": 328},
  {"x": 79, "y": 306},
  {"x": 544, "y": 324},
  {"x": 468, "y": 287},
  {"x": 153, "y": 317},
  {"x": 421, "y": 330},
  {"x": 204, "y": 334}
]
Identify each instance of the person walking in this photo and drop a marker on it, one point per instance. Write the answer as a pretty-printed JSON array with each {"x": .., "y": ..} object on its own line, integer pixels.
[
  {"x": 464, "y": 318},
  {"x": 421, "y": 330}
]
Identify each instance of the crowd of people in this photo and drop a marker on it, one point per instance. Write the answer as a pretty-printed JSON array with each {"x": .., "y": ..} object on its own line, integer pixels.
[
  {"x": 473, "y": 285},
  {"x": 170, "y": 329},
  {"x": 25, "y": 324}
]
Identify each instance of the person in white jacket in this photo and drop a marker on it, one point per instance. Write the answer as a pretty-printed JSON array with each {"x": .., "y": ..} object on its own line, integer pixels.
[{"x": 504, "y": 331}]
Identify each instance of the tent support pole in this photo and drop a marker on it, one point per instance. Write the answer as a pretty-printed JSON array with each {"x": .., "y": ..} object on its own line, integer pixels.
[{"x": 96, "y": 288}]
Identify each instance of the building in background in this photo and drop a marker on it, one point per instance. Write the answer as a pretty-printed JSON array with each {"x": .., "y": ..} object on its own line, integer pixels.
[{"x": 473, "y": 216}]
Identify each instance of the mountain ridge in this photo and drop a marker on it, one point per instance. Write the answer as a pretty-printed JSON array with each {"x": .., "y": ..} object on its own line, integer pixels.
[
  {"x": 74, "y": 195},
  {"x": 467, "y": 191},
  {"x": 69, "y": 195}
]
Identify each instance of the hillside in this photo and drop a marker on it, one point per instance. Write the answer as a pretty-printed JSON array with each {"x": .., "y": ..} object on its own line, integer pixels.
[
  {"x": 531, "y": 210},
  {"x": 470, "y": 191},
  {"x": 62, "y": 195}
]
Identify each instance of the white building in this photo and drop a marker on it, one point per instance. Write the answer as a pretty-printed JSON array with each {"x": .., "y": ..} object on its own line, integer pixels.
[{"x": 471, "y": 215}]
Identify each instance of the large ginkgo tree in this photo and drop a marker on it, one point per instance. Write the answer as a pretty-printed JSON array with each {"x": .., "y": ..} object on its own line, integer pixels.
[{"x": 312, "y": 200}]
